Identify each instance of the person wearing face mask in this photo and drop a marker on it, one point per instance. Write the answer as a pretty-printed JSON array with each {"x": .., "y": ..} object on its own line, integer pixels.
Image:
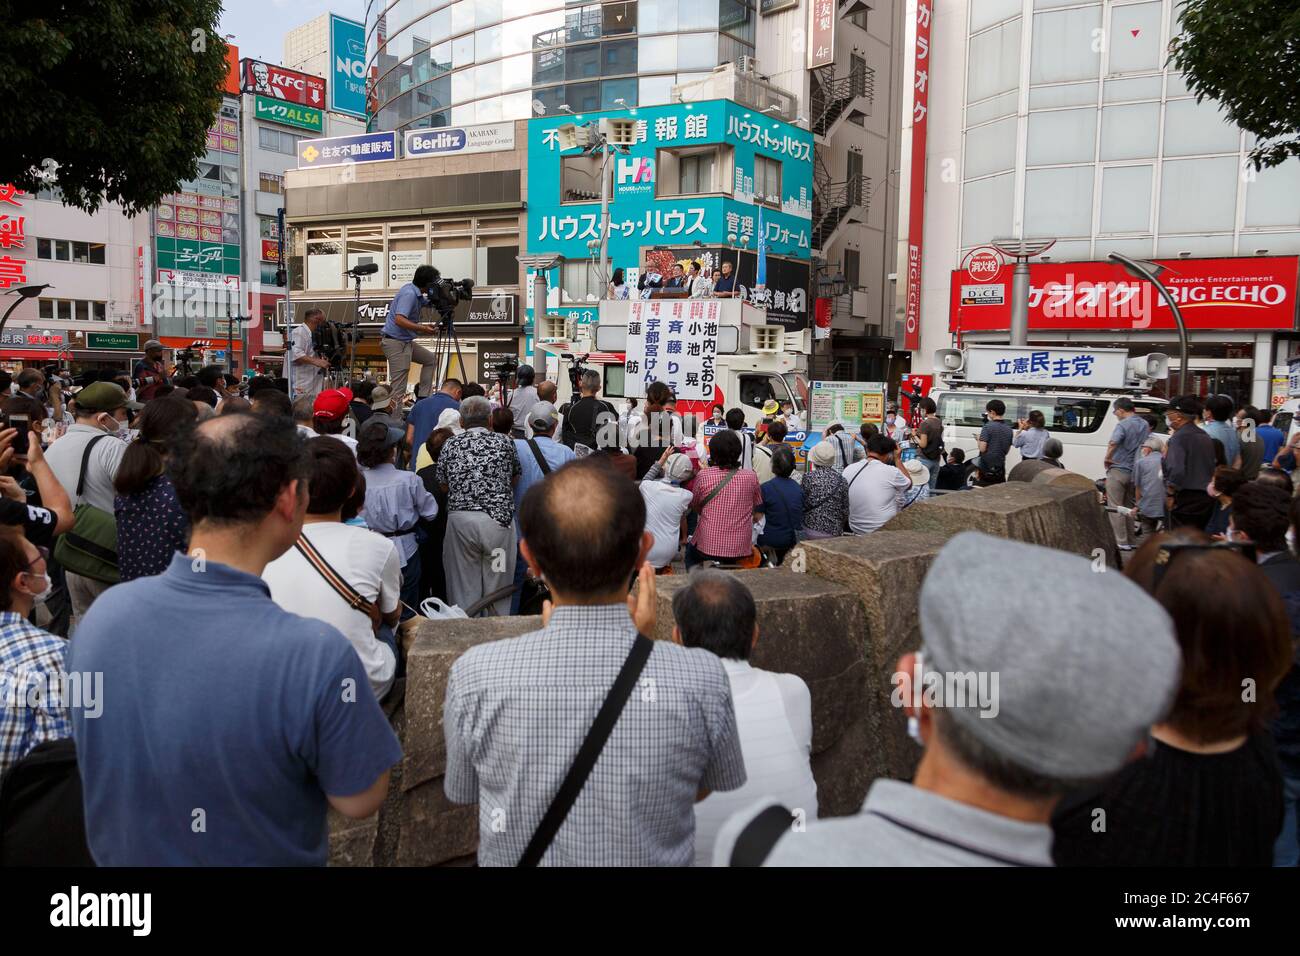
[
  {"x": 29, "y": 656},
  {"x": 91, "y": 444}
]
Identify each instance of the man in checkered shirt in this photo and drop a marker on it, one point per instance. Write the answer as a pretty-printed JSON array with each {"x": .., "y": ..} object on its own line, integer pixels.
[{"x": 517, "y": 711}]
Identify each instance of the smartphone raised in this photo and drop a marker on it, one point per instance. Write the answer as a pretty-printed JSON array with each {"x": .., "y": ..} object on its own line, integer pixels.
[{"x": 24, "y": 425}]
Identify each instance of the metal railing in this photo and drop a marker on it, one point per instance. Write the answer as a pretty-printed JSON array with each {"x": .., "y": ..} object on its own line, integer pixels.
[
  {"x": 832, "y": 202},
  {"x": 832, "y": 95}
]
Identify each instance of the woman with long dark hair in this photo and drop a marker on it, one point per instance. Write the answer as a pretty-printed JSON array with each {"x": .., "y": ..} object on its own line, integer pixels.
[
  {"x": 151, "y": 525},
  {"x": 654, "y": 431},
  {"x": 433, "y": 576}
]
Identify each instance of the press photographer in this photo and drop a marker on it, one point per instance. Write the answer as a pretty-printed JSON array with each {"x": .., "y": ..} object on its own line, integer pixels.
[
  {"x": 401, "y": 330},
  {"x": 307, "y": 368},
  {"x": 150, "y": 373}
]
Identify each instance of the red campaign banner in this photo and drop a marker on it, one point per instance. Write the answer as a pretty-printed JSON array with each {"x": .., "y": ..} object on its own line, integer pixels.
[
  {"x": 289, "y": 85},
  {"x": 1248, "y": 292},
  {"x": 916, "y": 199}
]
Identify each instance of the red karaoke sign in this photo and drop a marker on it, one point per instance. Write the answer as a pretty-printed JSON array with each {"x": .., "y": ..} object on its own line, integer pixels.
[
  {"x": 1256, "y": 292},
  {"x": 916, "y": 200}
]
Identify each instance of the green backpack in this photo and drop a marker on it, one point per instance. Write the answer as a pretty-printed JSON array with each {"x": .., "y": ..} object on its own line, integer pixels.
[{"x": 90, "y": 548}]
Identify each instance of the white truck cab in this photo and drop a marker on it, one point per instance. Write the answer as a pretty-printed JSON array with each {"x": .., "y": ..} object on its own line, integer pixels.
[{"x": 1075, "y": 389}]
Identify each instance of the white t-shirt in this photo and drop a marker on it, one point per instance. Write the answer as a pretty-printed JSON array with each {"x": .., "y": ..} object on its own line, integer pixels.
[
  {"x": 307, "y": 379},
  {"x": 763, "y": 462},
  {"x": 366, "y": 560},
  {"x": 874, "y": 488},
  {"x": 665, "y": 506},
  {"x": 774, "y": 721}
]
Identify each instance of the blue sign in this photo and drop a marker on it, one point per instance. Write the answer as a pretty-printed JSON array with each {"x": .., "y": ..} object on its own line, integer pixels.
[
  {"x": 427, "y": 143},
  {"x": 347, "y": 66},
  {"x": 339, "y": 150},
  {"x": 668, "y": 190}
]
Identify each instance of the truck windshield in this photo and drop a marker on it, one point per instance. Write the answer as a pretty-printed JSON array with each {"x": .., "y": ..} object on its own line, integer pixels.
[
  {"x": 1065, "y": 414},
  {"x": 798, "y": 387}
]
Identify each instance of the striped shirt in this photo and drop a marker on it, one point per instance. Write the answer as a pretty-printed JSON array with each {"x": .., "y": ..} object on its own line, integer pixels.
[
  {"x": 516, "y": 713},
  {"x": 32, "y": 710}
]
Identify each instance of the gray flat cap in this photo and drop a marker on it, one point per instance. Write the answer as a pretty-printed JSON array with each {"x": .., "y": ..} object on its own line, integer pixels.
[{"x": 1081, "y": 677}]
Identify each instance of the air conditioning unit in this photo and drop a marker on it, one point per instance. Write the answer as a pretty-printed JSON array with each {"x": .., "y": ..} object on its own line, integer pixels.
[
  {"x": 619, "y": 132},
  {"x": 767, "y": 338},
  {"x": 748, "y": 65}
]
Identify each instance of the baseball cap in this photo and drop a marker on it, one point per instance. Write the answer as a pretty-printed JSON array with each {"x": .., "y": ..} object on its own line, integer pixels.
[
  {"x": 544, "y": 414},
  {"x": 1187, "y": 405},
  {"x": 104, "y": 397},
  {"x": 1070, "y": 702},
  {"x": 333, "y": 403},
  {"x": 822, "y": 454},
  {"x": 391, "y": 435},
  {"x": 152, "y": 344},
  {"x": 380, "y": 397}
]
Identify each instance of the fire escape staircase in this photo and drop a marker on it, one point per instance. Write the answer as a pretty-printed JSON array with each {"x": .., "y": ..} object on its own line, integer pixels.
[
  {"x": 836, "y": 100},
  {"x": 837, "y": 204}
]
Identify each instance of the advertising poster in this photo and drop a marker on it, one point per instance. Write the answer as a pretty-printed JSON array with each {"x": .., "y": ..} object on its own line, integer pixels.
[
  {"x": 848, "y": 403},
  {"x": 347, "y": 80},
  {"x": 674, "y": 341}
]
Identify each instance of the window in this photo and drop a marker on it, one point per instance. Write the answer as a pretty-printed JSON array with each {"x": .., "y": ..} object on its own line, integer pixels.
[
  {"x": 270, "y": 183},
  {"x": 767, "y": 181},
  {"x": 618, "y": 18},
  {"x": 50, "y": 194},
  {"x": 757, "y": 390},
  {"x": 578, "y": 281},
  {"x": 47, "y": 309},
  {"x": 268, "y": 228},
  {"x": 99, "y": 311},
  {"x": 83, "y": 310},
  {"x": 858, "y": 19},
  {"x": 1077, "y": 416},
  {"x": 580, "y": 179},
  {"x": 695, "y": 173},
  {"x": 852, "y": 267},
  {"x": 277, "y": 141},
  {"x": 64, "y": 250}
]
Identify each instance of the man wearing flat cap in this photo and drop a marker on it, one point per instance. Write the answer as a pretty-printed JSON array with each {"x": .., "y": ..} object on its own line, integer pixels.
[
  {"x": 150, "y": 373},
  {"x": 1011, "y": 717},
  {"x": 1189, "y": 465}
]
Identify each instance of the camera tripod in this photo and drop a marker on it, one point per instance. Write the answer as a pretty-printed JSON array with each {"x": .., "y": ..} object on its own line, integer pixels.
[{"x": 446, "y": 346}]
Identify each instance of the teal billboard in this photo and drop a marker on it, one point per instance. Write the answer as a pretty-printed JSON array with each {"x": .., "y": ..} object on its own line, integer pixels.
[{"x": 697, "y": 172}]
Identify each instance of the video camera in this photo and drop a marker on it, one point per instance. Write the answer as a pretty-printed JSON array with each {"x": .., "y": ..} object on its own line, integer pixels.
[
  {"x": 576, "y": 368},
  {"x": 445, "y": 294},
  {"x": 331, "y": 341}
]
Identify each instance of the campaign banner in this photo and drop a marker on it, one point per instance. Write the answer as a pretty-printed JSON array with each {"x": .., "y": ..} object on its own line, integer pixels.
[
  {"x": 846, "y": 403},
  {"x": 1255, "y": 292},
  {"x": 347, "y": 66},
  {"x": 266, "y": 79},
  {"x": 290, "y": 114},
  {"x": 338, "y": 150},
  {"x": 460, "y": 140},
  {"x": 1017, "y": 365},
  {"x": 674, "y": 341}
]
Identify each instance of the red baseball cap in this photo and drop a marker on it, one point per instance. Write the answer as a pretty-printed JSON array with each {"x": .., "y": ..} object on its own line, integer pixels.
[{"x": 332, "y": 403}]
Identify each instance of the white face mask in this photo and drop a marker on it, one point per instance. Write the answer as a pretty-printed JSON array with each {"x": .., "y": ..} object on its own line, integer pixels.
[{"x": 42, "y": 596}]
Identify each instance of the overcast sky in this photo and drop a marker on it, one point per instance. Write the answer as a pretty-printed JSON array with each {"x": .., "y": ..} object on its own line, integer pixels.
[{"x": 259, "y": 26}]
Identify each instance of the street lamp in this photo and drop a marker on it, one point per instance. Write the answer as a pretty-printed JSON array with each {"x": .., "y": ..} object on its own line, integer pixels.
[
  {"x": 1022, "y": 250},
  {"x": 1151, "y": 272},
  {"x": 605, "y": 138},
  {"x": 25, "y": 292}
]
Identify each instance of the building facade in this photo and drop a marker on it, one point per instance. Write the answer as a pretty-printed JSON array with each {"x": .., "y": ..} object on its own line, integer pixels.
[
  {"x": 439, "y": 63},
  {"x": 1058, "y": 119}
]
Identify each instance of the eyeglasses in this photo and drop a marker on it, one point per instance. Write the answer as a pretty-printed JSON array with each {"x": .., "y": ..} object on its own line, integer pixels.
[
  {"x": 1166, "y": 553},
  {"x": 42, "y": 554}
]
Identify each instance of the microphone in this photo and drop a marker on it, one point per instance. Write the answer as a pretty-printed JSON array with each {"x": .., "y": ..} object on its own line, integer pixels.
[{"x": 365, "y": 269}]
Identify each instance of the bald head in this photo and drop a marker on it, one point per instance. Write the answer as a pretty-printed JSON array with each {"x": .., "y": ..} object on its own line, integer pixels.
[
  {"x": 590, "y": 550},
  {"x": 716, "y": 612},
  {"x": 547, "y": 392}
]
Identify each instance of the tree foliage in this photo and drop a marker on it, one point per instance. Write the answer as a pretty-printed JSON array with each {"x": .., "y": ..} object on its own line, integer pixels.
[
  {"x": 112, "y": 97},
  {"x": 1246, "y": 55}
]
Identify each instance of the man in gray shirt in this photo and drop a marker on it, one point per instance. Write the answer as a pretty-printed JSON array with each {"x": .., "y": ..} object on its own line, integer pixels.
[
  {"x": 1121, "y": 453},
  {"x": 1149, "y": 482},
  {"x": 517, "y": 711},
  {"x": 1010, "y": 719},
  {"x": 101, "y": 417},
  {"x": 1189, "y": 465}
]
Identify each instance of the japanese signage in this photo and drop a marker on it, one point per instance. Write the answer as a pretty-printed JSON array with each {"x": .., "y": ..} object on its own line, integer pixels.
[
  {"x": 13, "y": 235},
  {"x": 347, "y": 66},
  {"x": 821, "y": 33},
  {"x": 290, "y": 114},
  {"x": 768, "y": 7},
  {"x": 846, "y": 403},
  {"x": 916, "y": 200},
  {"x": 1010, "y": 365},
  {"x": 270, "y": 250},
  {"x": 1258, "y": 292},
  {"x": 337, "y": 150},
  {"x": 116, "y": 341},
  {"x": 197, "y": 256},
  {"x": 489, "y": 310},
  {"x": 23, "y": 339},
  {"x": 458, "y": 141},
  {"x": 276, "y": 82},
  {"x": 1280, "y": 386},
  {"x": 675, "y": 342}
]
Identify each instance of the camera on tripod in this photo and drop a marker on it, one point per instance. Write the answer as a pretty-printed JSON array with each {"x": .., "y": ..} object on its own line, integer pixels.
[
  {"x": 331, "y": 341},
  {"x": 576, "y": 368},
  {"x": 445, "y": 294}
]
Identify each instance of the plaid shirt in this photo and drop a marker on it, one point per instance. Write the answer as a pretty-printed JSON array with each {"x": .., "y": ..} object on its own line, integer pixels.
[
  {"x": 29, "y": 658},
  {"x": 517, "y": 711},
  {"x": 726, "y": 528}
]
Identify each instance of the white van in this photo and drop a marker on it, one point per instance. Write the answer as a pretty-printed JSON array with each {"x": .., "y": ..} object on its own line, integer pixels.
[{"x": 1083, "y": 421}]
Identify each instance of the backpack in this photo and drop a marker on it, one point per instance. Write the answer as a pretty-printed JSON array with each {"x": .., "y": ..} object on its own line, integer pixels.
[{"x": 42, "y": 820}]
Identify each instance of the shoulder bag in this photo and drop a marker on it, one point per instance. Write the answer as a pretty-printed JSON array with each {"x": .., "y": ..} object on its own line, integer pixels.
[
  {"x": 589, "y": 752},
  {"x": 541, "y": 460},
  {"x": 351, "y": 595},
  {"x": 90, "y": 548}
]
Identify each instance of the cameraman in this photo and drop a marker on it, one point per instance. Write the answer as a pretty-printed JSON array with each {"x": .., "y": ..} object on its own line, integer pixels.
[
  {"x": 306, "y": 368},
  {"x": 400, "y": 331},
  {"x": 150, "y": 373},
  {"x": 588, "y": 415}
]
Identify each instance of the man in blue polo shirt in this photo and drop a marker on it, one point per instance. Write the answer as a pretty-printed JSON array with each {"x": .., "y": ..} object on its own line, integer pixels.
[
  {"x": 229, "y": 726},
  {"x": 423, "y": 417},
  {"x": 400, "y": 331}
]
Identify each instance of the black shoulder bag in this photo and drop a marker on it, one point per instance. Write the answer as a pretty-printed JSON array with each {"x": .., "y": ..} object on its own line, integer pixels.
[
  {"x": 589, "y": 752},
  {"x": 537, "y": 453}
]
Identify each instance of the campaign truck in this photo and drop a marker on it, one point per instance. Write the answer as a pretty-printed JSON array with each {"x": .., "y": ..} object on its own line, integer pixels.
[{"x": 1074, "y": 388}]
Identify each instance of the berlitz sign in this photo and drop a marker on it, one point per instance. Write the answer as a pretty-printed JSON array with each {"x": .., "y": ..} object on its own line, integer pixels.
[
  {"x": 1256, "y": 292},
  {"x": 460, "y": 140}
]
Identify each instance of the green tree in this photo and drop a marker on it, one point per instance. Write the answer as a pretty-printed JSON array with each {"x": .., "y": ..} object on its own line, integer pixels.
[
  {"x": 109, "y": 99},
  {"x": 1246, "y": 55}
]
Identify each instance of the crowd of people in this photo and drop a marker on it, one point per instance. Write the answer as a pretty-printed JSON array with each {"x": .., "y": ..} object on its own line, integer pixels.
[{"x": 288, "y": 539}]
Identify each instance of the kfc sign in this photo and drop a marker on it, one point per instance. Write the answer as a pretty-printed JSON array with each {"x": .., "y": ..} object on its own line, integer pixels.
[
  {"x": 1257, "y": 292},
  {"x": 291, "y": 85}
]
